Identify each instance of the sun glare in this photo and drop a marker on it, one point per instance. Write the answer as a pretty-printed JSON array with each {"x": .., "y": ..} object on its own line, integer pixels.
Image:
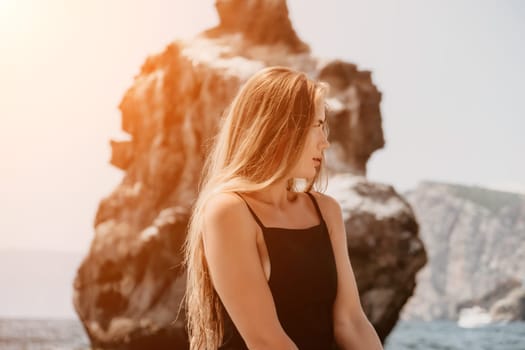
[
  {"x": 7, "y": 12},
  {"x": 15, "y": 16}
]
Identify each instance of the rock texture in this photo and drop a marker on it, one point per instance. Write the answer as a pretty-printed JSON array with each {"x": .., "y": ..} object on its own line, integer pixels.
[
  {"x": 260, "y": 22},
  {"x": 383, "y": 243},
  {"x": 354, "y": 119},
  {"x": 128, "y": 289},
  {"x": 510, "y": 308},
  {"x": 475, "y": 240}
]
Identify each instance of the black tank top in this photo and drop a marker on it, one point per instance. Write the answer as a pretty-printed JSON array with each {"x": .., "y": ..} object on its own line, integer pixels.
[{"x": 303, "y": 282}]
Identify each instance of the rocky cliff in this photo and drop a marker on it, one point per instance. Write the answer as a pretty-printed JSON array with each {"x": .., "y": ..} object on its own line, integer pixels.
[
  {"x": 128, "y": 289},
  {"x": 475, "y": 240}
]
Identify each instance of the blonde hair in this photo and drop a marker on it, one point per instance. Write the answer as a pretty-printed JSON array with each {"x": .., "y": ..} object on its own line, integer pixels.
[{"x": 267, "y": 123}]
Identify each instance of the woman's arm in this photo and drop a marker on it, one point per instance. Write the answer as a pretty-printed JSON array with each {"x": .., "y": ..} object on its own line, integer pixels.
[
  {"x": 237, "y": 274},
  {"x": 352, "y": 329}
]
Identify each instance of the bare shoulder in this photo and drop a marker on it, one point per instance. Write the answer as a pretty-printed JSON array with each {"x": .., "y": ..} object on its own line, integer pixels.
[
  {"x": 226, "y": 213},
  {"x": 328, "y": 204},
  {"x": 222, "y": 204},
  {"x": 331, "y": 210}
]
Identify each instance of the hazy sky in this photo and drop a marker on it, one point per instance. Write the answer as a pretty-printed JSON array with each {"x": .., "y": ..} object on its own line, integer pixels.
[{"x": 451, "y": 74}]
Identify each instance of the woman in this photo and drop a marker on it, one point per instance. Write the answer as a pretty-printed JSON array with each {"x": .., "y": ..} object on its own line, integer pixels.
[{"x": 267, "y": 263}]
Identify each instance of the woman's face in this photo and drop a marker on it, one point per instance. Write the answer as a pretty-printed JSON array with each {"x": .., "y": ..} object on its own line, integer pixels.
[{"x": 316, "y": 143}]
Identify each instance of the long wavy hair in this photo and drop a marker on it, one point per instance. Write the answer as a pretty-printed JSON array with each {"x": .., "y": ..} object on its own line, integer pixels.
[{"x": 259, "y": 142}]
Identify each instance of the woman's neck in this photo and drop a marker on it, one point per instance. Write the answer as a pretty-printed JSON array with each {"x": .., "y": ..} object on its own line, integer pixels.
[{"x": 276, "y": 195}]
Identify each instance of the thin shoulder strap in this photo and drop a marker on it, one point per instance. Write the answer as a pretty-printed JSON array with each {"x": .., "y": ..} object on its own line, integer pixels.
[
  {"x": 316, "y": 205},
  {"x": 251, "y": 211}
]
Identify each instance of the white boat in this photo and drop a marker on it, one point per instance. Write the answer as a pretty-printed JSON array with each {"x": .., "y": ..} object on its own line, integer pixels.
[{"x": 473, "y": 317}]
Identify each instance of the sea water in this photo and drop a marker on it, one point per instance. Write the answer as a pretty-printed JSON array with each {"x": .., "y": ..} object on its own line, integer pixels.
[{"x": 407, "y": 335}]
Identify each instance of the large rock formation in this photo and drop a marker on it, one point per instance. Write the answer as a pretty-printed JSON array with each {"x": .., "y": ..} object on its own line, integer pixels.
[
  {"x": 129, "y": 287},
  {"x": 475, "y": 240},
  {"x": 382, "y": 241}
]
